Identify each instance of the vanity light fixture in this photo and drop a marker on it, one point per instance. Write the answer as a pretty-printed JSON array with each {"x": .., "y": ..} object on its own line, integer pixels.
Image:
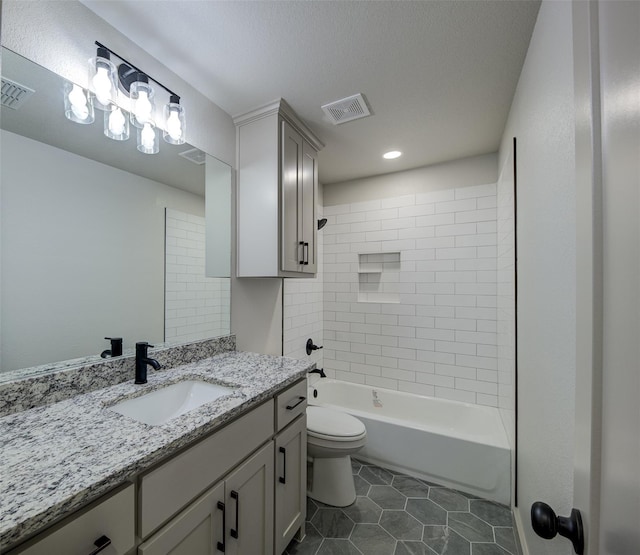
[
  {"x": 392, "y": 154},
  {"x": 102, "y": 79},
  {"x": 105, "y": 80},
  {"x": 78, "y": 105}
]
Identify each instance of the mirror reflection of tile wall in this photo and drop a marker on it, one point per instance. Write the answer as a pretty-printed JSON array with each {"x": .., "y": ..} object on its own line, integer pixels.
[{"x": 196, "y": 307}]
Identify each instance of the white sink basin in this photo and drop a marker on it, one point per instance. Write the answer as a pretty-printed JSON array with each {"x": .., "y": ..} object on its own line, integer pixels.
[{"x": 167, "y": 403}]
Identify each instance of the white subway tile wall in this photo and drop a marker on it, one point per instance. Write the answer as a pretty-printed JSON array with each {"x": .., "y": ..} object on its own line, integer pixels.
[
  {"x": 196, "y": 307},
  {"x": 423, "y": 319},
  {"x": 302, "y": 311}
]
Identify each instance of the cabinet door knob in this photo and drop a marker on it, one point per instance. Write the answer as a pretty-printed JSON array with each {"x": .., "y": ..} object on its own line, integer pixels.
[
  {"x": 301, "y": 244},
  {"x": 221, "y": 546},
  {"x": 234, "y": 532},
  {"x": 101, "y": 543},
  {"x": 283, "y": 479},
  {"x": 305, "y": 254},
  {"x": 546, "y": 524}
]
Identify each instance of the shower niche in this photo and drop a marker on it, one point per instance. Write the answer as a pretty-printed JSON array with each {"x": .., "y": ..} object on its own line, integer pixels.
[{"x": 378, "y": 277}]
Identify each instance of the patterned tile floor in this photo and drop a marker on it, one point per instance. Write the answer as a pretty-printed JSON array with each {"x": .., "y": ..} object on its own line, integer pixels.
[{"x": 395, "y": 514}]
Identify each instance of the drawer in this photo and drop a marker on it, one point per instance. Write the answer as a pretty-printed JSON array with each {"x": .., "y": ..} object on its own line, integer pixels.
[
  {"x": 291, "y": 403},
  {"x": 170, "y": 487},
  {"x": 111, "y": 516}
]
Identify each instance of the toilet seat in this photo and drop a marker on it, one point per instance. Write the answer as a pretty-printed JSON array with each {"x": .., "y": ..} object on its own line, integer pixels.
[{"x": 332, "y": 425}]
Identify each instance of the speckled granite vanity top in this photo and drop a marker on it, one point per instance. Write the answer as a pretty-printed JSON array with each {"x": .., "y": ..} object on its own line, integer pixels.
[{"x": 57, "y": 458}]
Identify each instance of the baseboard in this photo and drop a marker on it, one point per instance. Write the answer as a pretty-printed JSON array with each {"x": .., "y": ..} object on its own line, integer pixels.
[{"x": 521, "y": 539}]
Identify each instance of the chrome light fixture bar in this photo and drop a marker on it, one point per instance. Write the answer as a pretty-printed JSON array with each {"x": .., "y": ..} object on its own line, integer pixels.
[{"x": 105, "y": 81}]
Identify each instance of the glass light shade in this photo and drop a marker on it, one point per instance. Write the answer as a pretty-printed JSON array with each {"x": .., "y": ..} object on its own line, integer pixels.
[
  {"x": 102, "y": 80},
  {"x": 175, "y": 123},
  {"x": 116, "y": 124},
  {"x": 141, "y": 95},
  {"x": 148, "y": 142},
  {"x": 78, "y": 104}
]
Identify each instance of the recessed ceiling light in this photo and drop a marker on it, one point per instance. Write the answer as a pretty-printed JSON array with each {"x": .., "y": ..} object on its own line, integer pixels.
[{"x": 392, "y": 154}]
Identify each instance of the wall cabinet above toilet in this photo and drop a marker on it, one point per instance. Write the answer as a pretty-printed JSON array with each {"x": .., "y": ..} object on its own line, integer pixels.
[{"x": 277, "y": 191}]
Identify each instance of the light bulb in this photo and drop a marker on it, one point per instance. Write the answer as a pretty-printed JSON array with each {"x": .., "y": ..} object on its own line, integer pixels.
[
  {"x": 102, "y": 85},
  {"x": 148, "y": 137},
  {"x": 78, "y": 102},
  {"x": 116, "y": 122},
  {"x": 174, "y": 125},
  {"x": 143, "y": 107}
]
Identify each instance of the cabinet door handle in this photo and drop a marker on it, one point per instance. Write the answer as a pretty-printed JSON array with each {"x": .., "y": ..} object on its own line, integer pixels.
[
  {"x": 283, "y": 479},
  {"x": 234, "y": 532},
  {"x": 305, "y": 251},
  {"x": 300, "y": 400},
  {"x": 301, "y": 244},
  {"x": 101, "y": 543},
  {"x": 221, "y": 546}
]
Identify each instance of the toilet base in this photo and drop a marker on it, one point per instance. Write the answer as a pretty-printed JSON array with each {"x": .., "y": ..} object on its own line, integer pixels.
[{"x": 332, "y": 481}]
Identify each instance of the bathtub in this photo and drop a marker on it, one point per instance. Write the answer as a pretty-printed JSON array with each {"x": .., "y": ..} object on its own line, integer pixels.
[{"x": 458, "y": 445}]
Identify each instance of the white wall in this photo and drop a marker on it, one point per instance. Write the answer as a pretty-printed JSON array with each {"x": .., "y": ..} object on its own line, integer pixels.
[
  {"x": 542, "y": 119},
  {"x": 61, "y": 207}
]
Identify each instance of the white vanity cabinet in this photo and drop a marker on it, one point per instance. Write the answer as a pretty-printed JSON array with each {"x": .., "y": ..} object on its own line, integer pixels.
[
  {"x": 233, "y": 517},
  {"x": 108, "y": 522},
  {"x": 277, "y": 190},
  {"x": 291, "y": 465}
]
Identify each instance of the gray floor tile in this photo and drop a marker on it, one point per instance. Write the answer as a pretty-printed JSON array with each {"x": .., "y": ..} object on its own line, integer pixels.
[
  {"x": 426, "y": 511},
  {"x": 401, "y": 525},
  {"x": 487, "y": 549},
  {"x": 376, "y": 476},
  {"x": 412, "y": 548},
  {"x": 371, "y": 538},
  {"x": 309, "y": 545},
  {"x": 493, "y": 513},
  {"x": 362, "y": 486},
  {"x": 445, "y": 541},
  {"x": 338, "y": 547},
  {"x": 311, "y": 508},
  {"x": 470, "y": 527},
  {"x": 506, "y": 539},
  {"x": 387, "y": 497},
  {"x": 332, "y": 523},
  {"x": 449, "y": 499},
  {"x": 363, "y": 510},
  {"x": 411, "y": 487},
  {"x": 417, "y": 511}
]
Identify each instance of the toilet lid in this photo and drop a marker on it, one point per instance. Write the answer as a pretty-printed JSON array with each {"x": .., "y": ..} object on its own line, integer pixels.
[{"x": 325, "y": 422}]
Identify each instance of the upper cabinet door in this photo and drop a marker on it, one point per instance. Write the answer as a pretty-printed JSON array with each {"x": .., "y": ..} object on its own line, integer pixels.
[
  {"x": 309, "y": 189},
  {"x": 292, "y": 253}
]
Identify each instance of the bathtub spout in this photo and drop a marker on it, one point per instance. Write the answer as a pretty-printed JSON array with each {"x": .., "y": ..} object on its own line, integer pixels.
[{"x": 318, "y": 371}]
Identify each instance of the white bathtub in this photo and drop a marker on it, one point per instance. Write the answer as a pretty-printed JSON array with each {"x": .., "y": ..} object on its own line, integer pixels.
[{"x": 458, "y": 445}]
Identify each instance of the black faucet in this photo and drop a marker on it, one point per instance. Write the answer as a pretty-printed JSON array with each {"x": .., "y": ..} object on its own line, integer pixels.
[
  {"x": 116, "y": 348},
  {"x": 142, "y": 359},
  {"x": 318, "y": 371}
]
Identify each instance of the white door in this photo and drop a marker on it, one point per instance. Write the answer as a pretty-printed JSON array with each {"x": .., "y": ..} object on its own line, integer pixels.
[{"x": 607, "y": 461}]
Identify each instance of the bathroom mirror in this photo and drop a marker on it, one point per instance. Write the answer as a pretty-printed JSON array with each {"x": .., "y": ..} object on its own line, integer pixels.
[{"x": 84, "y": 231}]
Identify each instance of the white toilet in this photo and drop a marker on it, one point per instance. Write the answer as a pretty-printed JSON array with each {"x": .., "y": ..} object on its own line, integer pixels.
[{"x": 332, "y": 437}]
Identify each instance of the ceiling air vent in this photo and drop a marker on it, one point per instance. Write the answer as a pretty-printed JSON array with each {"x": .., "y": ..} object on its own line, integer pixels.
[
  {"x": 14, "y": 94},
  {"x": 347, "y": 109},
  {"x": 194, "y": 155}
]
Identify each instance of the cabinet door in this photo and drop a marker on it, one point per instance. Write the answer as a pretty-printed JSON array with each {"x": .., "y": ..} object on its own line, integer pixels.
[
  {"x": 290, "y": 482},
  {"x": 291, "y": 200},
  {"x": 195, "y": 531},
  {"x": 308, "y": 190},
  {"x": 249, "y": 505}
]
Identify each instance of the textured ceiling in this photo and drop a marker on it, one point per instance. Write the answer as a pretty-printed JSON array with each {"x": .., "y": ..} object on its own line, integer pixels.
[{"x": 439, "y": 76}]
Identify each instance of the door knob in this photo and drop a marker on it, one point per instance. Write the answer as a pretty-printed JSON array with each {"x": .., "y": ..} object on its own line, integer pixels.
[{"x": 546, "y": 524}]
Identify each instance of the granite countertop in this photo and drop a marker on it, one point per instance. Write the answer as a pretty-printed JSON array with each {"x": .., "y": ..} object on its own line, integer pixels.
[{"x": 59, "y": 457}]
